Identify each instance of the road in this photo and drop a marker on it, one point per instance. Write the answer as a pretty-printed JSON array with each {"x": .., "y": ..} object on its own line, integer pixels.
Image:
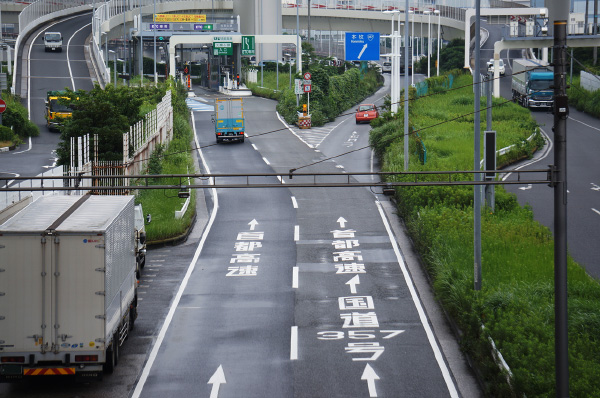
[
  {"x": 49, "y": 71},
  {"x": 277, "y": 292},
  {"x": 583, "y": 172}
]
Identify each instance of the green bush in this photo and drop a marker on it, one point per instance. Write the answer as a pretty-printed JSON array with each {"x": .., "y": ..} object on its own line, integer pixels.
[
  {"x": 16, "y": 117},
  {"x": 516, "y": 303}
]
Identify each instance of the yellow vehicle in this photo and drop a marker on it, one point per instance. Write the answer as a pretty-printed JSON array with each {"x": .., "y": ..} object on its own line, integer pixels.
[{"x": 56, "y": 110}]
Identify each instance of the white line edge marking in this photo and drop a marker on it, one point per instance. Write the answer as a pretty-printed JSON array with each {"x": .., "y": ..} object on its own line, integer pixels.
[
  {"x": 295, "y": 277},
  {"x": 585, "y": 124},
  {"x": 594, "y": 210},
  {"x": 430, "y": 336},
  {"x": 255, "y": 148},
  {"x": 163, "y": 331},
  {"x": 545, "y": 155},
  {"x": 266, "y": 161},
  {"x": 296, "y": 233},
  {"x": 68, "y": 60},
  {"x": 294, "y": 343},
  {"x": 294, "y": 202}
]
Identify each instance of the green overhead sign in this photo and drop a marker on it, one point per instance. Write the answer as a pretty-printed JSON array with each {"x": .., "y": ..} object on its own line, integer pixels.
[
  {"x": 248, "y": 46},
  {"x": 223, "y": 48}
]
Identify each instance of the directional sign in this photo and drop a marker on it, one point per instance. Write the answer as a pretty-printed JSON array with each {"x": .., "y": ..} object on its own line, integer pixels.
[
  {"x": 248, "y": 47},
  {"x": 223, "y": 48},
  {"x": 203, "y": 26},
  {"x": 179, "y": 18},
  {"x": 2, "y": 106},
  {"x": 362, "y": 46},
  {"x": 298, "y": 86}
]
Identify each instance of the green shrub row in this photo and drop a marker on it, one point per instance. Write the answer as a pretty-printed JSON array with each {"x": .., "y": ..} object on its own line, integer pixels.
[
  {"x": 16, "y": 117},
  {"x": 515, "y": 307},
  {"x": 584, "y": 100}
]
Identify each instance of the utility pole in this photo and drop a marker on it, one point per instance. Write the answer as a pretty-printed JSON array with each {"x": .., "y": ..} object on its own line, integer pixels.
[
  {"x": 561, "y": 112},
  {"x": 308, "y": 22},
  {"x": 476, "y": 151}
]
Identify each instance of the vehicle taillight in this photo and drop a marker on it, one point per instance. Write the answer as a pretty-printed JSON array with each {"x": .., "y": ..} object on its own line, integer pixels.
[
  {"x": 86, "y": 358},
  {"x": 13, "y": 359}
]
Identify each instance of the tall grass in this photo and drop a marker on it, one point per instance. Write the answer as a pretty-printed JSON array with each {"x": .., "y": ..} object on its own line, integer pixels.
[{"x": 516, "y": 304}]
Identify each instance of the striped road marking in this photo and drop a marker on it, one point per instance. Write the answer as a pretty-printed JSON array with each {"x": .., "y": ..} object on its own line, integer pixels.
[{"x": 196, "y": 106}]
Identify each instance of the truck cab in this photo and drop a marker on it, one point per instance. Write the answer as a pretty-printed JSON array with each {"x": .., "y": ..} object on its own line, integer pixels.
[
  {"x": 52, "y": 41},
  {"x": 56, "y": 110}
]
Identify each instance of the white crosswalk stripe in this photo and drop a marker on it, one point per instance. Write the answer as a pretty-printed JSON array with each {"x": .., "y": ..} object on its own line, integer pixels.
[
  {"x": 196, "y": 106},
  {"x": 314, "y": 136}
]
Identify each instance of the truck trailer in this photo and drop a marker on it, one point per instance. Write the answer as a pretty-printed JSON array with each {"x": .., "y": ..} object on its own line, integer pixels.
[
  {"x": 68, "y": 291},
  {"x": 229, "y": 119},
  {"x": 531, "y": 83}
]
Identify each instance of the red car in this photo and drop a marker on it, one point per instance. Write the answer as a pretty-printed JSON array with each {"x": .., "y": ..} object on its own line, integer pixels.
[{"x": 366, "y": 113}]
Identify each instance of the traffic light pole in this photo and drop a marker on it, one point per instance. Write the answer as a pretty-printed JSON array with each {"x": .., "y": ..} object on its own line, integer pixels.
[{"x": 561, "y": 112}]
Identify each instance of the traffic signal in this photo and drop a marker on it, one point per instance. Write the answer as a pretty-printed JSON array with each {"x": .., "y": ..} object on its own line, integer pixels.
[
  {"x": 237, "y": 77},
  {"x": 304, "y": 108},
  {"x": 160, "y": 38}
]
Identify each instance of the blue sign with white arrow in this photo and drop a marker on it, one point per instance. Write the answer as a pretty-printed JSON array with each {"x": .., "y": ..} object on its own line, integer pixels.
[{"x": 362, "y": 46}]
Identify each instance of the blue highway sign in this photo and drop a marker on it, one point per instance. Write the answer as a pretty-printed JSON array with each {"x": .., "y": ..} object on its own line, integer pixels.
[{"x": 362, "y": 46}]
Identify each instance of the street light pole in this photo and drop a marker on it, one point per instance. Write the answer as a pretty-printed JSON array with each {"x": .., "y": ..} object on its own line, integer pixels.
[
  {"x": 154, "y": 30},
  {"x": 428, "y": 43},
  {"x": 438, "y": 41},
  {"x": 412, "y": 49},
  {"x": 114, "y": 66}
]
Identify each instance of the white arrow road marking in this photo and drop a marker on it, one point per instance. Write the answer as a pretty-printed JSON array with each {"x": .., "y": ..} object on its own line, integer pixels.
[
  {"x": 370, "y": 376},
  {"x": 529, "y": 186},
  {"x": 342, "y": 222},
  {"x": 353, "y": 282},
  {"x": 362, "y": 51},
  {"x": 216, "y": 380},
  {"x": 253, "y": 224},
  {"x": 595, "y": 187}
]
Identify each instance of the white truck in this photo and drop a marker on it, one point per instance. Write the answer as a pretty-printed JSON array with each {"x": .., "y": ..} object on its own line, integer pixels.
[
  {"x": 68, "y": 292},
  {"x": 52, "y": 41}
]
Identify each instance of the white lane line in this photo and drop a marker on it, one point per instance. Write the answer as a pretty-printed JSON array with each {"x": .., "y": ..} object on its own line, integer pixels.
[
  {"x": 255, "y": 148},
  {"x": 422, "y": 316},
  {"x": 266, "y": 161},
  {"x": 163, "y": 331},
  {"x": 594, "y": 210},
  {"x": 294, "y": 202},
  {"x": 28, "y": 149},
  {"x": 295, "y": 277},
  {"x": 296, "y": 233},
  {"x": 585, "y": 124},
  {"x": 68, "y": 60},
  {"x": 294, "y": 344},
  {"x": 550, "y": 145}
]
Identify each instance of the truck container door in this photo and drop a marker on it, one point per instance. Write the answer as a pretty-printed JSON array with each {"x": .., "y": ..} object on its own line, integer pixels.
[
  {"x": 78, "y": 293},
  {"x": 25, "y": 291}
]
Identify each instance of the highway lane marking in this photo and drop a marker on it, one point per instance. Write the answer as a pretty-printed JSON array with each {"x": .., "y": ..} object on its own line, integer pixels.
[
  {"x": 295, "y": 277},
  {"x": 596, "y": 211},
  {"x": 585, "y": 124},
  {"x": 294, "y": 202},
  {"x": 419, "y": 306},
  {"x": 296, "y": 233},
  {"x": 169, "y": 318},
  {"x": 545, "y": 155},
  {"x": 266, "y": 161},
  {"x": 294, "y": 343},
  {"x": 255, "y": 148},
  {"x": 68, "y": 61}
]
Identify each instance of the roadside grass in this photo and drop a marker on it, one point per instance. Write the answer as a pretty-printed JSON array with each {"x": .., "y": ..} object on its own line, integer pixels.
[
  {"x": 516, "y": 304},
  {"x": 176, "y": 158}
]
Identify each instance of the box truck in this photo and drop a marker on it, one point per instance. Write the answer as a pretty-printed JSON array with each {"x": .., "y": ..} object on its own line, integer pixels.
[
  {"x": 532, "y": 83},
  {"x": 229, "y": 119},
  {"x": 68, "y": 295}
]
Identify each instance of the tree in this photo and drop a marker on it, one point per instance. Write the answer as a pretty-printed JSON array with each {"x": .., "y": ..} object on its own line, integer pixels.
[{"x": 108, "y": 113}]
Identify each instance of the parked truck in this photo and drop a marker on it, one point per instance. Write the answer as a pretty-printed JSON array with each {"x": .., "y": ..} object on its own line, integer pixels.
[
  {"x": 52, "y": 41},
  {"x": 531, "y": 83},
  {"x": 68, "y": 295},
  {"x": 56, "y": 109},
  {"x": 229, "y": 119}
]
